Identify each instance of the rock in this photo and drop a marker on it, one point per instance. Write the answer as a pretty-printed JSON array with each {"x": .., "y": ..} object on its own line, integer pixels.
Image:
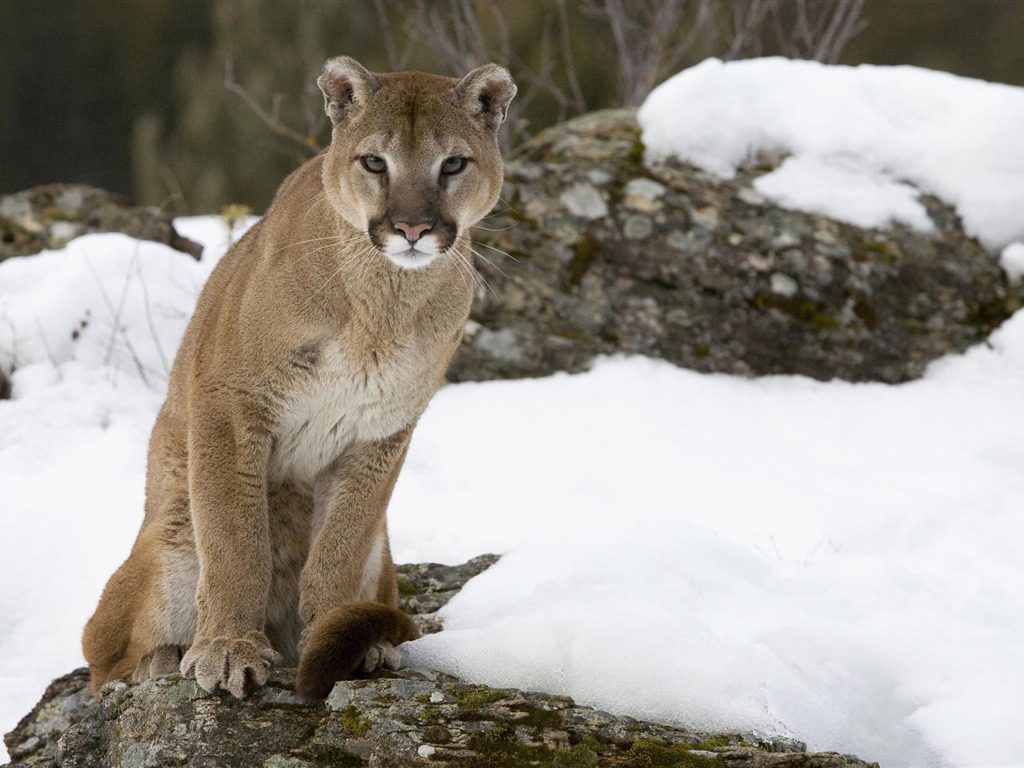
[
  {"x": 406, "y": 718},
  {"x": 424, "y": 588},
  {"x": 50, "y": 216},
  {"x": 600, "y": 252}
]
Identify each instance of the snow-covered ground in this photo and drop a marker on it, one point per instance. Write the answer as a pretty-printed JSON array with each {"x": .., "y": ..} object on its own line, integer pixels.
[{"x": 834, "y": 561}]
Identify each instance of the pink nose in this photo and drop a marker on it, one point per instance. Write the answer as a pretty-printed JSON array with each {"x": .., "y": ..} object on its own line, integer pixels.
[{"x": 412, "y": 232}]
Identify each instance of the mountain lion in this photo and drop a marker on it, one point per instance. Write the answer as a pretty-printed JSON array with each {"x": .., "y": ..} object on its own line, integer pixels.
[{"x": 314, "y": 349}]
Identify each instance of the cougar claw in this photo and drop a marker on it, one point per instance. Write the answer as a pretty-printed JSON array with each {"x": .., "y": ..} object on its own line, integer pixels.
[
  {"x": 162, "y": 660},
  {"x": 231, "y": 663},
  {"x": 381, "y": 655}
]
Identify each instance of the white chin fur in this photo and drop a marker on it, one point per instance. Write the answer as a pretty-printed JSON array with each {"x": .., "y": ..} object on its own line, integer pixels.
[{"x": 415, "y": 256}]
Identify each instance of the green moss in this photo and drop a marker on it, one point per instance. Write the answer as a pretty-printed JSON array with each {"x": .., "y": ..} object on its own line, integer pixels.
[
  {"x": 886, "y": 253},
  {"x": 801, "y": 309},
  {"x": 437, "y": 734},
  {"x": 431, "y": 715},
  {"x": 578, "y": 337},
  {"x": 636, "y": 152},
  {"x": 579, "y": 756},
  {"x": 501, "y": 749},
  {"x": 537, "y": 717},
  {"x": 716, "y": 742},
  {"x": 320, "y": 754},
  {"x": 353, "y": 723},
  {"x": 405, "y": 586},
  {"x": 53, "y": 213},
  {"x": 863, "y": 309},
  {"x": 652, "y": 753},
  {"x": 584, "y": 254},
  {"x": 476, "y": 698}
]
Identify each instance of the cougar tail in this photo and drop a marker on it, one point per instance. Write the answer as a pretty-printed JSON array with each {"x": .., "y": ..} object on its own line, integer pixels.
[{"x": 340, "y": 641}]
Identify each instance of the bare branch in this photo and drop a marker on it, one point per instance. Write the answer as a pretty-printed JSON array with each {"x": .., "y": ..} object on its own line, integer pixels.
[
  {"x": 575, "y": 93},
  {"x": 271, "y": 119},
  {"x": 748, "y": 22},
  {"x": 651, "y": 38},
  {"x": 397, "y": 60},
  {"x": 846, "y": 22},
  {"x": 818, "y": 29}
]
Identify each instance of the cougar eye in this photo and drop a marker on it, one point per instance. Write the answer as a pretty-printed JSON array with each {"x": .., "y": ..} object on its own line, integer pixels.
[
  {"x": 373, "y": 164},
  {"x": 454, "y": 165}
]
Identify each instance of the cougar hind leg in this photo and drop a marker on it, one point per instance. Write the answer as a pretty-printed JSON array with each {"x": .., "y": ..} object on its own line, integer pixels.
[
  {"x": 119, "y": 633},
  {"x": 290, "y": 514},
  {"x": 146, "y": 617},
  {"x": 161, "y": 661}
]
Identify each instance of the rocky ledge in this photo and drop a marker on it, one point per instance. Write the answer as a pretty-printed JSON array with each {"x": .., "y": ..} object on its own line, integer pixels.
[{"x": 406, "y": 718}]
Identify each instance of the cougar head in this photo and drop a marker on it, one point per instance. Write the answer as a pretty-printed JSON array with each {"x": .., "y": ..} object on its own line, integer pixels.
[{"x": 414, "y": 159}]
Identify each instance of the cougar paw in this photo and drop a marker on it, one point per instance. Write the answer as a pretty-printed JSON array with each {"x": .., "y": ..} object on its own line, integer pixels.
[
  {"x": 231, "y": 663},
  {"x": 381, "y": 655},
  {"x": 349, "y": 640},
  {"x": 162, "y": 660}
]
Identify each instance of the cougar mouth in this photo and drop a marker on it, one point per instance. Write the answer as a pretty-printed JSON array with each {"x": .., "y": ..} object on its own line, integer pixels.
[
  {"x": 412, "y": 246},
  {"x": 415, "y": 255}
]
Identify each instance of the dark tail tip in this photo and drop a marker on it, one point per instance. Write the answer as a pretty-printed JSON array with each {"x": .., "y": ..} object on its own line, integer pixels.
[{"x": 340, "y": 640}]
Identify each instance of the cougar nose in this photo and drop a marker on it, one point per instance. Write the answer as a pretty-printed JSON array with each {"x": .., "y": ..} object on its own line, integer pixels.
[{"x": 413, "y": 232}]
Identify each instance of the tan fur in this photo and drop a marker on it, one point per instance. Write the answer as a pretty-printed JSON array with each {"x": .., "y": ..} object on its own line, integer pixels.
[{"x": 315, "y": 346}]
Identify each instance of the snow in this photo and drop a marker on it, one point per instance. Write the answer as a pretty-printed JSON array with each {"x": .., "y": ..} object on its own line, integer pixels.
[
  {"x": 868, "y": 133},
  {"x": 833, "y": 561},
  {"x": 837, "y": 559},
  {"x": 1012, "y": 262}
]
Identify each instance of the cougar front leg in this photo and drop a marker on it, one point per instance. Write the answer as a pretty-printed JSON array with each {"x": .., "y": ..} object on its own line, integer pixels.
[
  {"x": 350, "y": 560},
  {"x": 228, "y": 499}
]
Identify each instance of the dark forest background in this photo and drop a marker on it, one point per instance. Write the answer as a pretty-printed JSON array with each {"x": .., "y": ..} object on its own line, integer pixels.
[{"x": 131, "y": 95}]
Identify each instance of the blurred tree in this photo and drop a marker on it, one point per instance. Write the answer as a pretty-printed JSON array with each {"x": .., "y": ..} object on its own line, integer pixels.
[
  {"x": 218, "y": 151},
  {"x": 973, "y": 38},
  {"x": 75, "y": 75},
  {"x": 548, "y": 44},
  {"x": 132, "y": 94}
]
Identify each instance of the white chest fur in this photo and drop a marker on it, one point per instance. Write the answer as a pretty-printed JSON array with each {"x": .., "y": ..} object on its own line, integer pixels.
[{"x": 349, "y": 400}]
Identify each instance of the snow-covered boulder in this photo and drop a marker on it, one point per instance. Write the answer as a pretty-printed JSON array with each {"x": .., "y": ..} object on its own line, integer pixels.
[{"x": 604, "y": 250}]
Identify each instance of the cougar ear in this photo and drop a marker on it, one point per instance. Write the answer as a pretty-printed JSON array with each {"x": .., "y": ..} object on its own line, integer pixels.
[
  {"x": 486, "y": 93},
  {"x": 344, "y": 82}
]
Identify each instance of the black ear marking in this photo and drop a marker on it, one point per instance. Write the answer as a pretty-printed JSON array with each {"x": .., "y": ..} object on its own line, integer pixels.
[
  {"x": 486, "y": 93},
  {"x": 345, "y": 82}
]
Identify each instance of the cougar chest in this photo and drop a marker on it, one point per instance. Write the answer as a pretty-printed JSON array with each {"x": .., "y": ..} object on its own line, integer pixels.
[{"x": 345, "y": 396}]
